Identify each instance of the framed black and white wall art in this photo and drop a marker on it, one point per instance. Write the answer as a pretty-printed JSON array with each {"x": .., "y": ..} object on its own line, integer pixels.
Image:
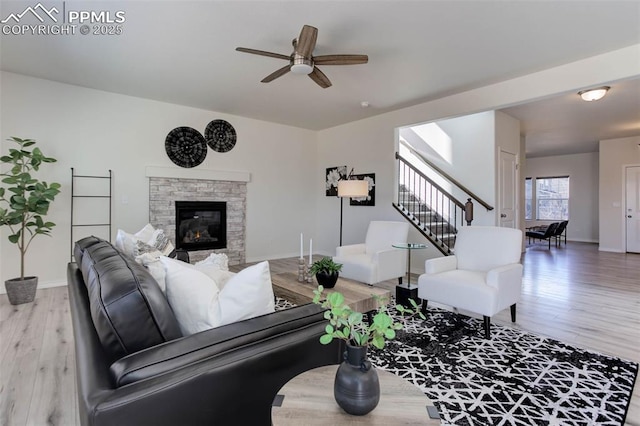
[
  {"x": 332, "y": 176},
  {"x": 370, "y": 199}
]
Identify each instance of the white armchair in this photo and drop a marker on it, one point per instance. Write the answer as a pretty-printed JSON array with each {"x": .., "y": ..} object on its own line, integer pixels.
[
  {"x": 484, "y": 276},
  {"x": 375, "y": 260}
]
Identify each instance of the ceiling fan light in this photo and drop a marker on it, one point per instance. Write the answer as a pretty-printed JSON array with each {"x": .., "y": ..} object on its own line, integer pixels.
[
  {"x": 594, "y": 94},
  {"x": 301, "y": 65}
]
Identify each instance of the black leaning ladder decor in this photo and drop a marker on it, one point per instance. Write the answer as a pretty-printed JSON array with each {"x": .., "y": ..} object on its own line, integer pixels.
[{"x": 74, "y": 195}]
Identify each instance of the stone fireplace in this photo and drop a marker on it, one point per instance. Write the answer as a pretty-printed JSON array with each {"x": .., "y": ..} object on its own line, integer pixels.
[{"x": 167, "y": 186}]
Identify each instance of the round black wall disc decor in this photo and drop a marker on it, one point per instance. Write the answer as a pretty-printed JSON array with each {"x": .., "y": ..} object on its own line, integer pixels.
[
  {"x": 186, "y": 146},
  {"x": 220, "y": 135}
]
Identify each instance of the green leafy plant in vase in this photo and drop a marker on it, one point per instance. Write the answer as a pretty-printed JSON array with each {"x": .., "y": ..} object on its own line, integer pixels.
[
  {"x": 356, "y": 386},
  {"x": 326, "y": 271},
  {"x": 24, "y": 202}
]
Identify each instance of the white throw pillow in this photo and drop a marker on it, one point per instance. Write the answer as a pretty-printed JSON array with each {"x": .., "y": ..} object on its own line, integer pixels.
[
  {"x": 247, "y": 294},
  {"x": 192, "y": 295},
  {"x": 145, "y": 233},
  {"x": 217, "y": 259},
  {"x": 220, "y": 276},
  {"x": 152, "y": 262},
  {"x": 126, "y": 242}
]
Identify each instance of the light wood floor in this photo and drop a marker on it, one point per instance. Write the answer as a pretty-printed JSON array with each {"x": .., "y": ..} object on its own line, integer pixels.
[{"x": 574, "y": 293}]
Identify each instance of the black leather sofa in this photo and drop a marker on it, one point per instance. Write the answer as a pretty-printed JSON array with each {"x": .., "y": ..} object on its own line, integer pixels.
[{"x": 133, "y": 366}]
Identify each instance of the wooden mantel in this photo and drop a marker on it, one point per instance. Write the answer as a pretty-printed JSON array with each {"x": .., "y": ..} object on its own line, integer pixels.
[{"x": 202, "y": 174}]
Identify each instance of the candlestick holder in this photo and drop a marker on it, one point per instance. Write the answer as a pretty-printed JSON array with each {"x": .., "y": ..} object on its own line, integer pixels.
[
  {"x": 302, "y": 270},
  {"x": 309, "y": 277}
]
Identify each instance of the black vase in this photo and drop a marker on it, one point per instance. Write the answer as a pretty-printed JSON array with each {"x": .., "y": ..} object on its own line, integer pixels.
[
  {"x": 356, "y": 387},
  {"x": 327, "y": 280}
]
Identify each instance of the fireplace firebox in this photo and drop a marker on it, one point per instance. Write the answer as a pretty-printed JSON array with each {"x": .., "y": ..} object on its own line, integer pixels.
[{"x": 201, "y": 225}]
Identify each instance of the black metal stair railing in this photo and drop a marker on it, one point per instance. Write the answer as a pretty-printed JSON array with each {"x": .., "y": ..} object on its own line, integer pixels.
[{"x": 430, "y": 208}]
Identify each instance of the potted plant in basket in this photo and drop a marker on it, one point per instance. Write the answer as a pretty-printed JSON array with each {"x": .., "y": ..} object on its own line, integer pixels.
[
  {"x": 27, "y": 200},
  {"x": 326, "y": 271},
  {"x": 356, "y": 387}
]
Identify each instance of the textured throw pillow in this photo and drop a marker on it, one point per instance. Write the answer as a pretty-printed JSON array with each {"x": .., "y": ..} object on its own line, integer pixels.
[
  {"x": 192, "y": 295},
  {"x": 247, "y": 294},
  {"x": 219, "y": 260},
  {"x": 140, "y": 247},
  {"x": 161, "y": 242}
]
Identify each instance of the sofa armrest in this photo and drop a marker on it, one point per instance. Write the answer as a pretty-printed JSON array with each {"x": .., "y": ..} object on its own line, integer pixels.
[
  {"x": 207, "y": 345},
  {"x": 392, "y": 263},
  {"x": 506, "y": 275},
  {"x": 350, "y": 250},
  {"x": 234, "y": 387},
  {"x": 440, "y": 264},
  {"x": 508, "y": 281}
]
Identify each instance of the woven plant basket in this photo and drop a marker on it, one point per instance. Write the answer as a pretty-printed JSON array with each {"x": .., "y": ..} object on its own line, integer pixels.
[{"x": 21, "y": 290}]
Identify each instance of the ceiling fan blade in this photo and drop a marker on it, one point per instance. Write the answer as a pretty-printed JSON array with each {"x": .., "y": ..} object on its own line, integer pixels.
[
  {"x": 262, "y": 53},
  {"x": 279, "y": 73},
  {"x": 319, "y": 77},
  {"x": 307, "y": 41},
  {"x": 340, "y": 59}
]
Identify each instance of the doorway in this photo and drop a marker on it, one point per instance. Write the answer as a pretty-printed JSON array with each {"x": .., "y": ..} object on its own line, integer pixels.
[
  {"x": 508, "y": 190},
  {"x": 632, "y": 208}
]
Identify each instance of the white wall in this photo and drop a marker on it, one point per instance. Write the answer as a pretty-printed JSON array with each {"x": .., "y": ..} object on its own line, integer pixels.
[
  {"x": 583, "y": 172},
  {"x": 94, "y": 131},
  {"x": 615, "y": 154},
  {"x": 473, "y": 142},
  {"x": 473, "y": 161}
]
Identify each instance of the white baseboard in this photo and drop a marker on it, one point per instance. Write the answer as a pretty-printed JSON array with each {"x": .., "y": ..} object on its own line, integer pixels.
[
  {"x": 583, "y": 240},
  {"x": 610, "y": 249}
]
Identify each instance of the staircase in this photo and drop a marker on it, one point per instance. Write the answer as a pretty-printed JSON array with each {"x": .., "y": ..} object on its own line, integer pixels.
[{"x": 432, "y": 210}]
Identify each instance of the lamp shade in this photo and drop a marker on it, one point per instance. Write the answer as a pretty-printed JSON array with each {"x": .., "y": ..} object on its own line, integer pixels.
[{"x": 353, "y": 188}]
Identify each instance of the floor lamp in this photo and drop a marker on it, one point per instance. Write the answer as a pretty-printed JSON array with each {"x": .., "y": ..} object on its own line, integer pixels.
[{"x": 351, "y": 188}]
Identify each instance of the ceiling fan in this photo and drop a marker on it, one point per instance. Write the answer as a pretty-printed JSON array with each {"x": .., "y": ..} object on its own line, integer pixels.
[{"x": 301, "y": 61}]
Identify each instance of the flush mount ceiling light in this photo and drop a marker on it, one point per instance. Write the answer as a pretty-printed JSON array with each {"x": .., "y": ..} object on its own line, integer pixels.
[
  {"x": 594, "y": 94},
  {"x": 301, "y": 65}
]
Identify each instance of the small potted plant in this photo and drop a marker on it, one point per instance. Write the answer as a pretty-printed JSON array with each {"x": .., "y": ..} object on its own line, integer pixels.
[
  {"x": 27, "y": 200},
  {"x": 356, "y": 387},
  {"x": 326, "y": 272}
]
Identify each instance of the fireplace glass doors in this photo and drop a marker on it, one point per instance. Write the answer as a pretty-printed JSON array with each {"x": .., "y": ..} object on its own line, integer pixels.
[{"x": 201, "y": 225}]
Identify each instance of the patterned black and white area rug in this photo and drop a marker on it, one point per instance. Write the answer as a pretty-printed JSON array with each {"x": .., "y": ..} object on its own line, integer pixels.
[{"x": 515, "y": 378}]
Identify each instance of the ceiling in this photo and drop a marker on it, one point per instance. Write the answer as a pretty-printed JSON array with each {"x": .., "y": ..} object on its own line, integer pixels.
[
  {"x": 565, "y": 124},
  {"x": 183, "y": 52}
]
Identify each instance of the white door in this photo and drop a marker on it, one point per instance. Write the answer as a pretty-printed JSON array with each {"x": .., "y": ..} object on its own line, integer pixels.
[
  {"x": 508, "y": 190},
  {"x": 632, "y": 209}
]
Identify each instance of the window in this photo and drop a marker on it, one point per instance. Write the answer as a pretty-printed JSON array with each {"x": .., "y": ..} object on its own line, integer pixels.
[
  {"x": 528, "y": 199},
  {"x": 552, "y": 198}
]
